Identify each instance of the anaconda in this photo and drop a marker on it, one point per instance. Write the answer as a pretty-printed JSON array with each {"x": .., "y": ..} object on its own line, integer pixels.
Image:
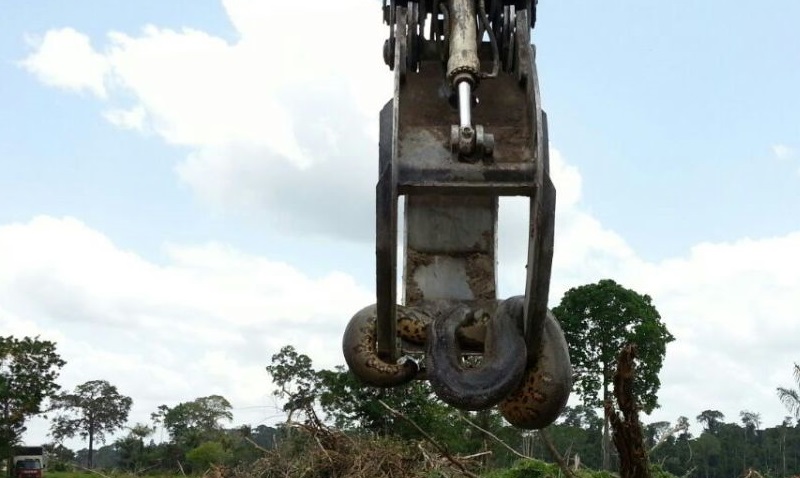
[
  {"x": 500, "y": 370},
  {"x": 545, "y": 389}
]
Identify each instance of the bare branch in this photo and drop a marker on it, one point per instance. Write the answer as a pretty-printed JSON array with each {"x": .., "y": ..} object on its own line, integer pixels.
[
  {"x": 494, "y": 437},
  {"x": 92, "y": 471},
  {"x": 442, "y": 449},
  {"x": 679, "y": 427},
  {"x": 562, "y": 463}
]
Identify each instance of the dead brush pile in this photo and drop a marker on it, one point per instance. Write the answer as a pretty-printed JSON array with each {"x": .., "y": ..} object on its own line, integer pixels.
[{"x": 316, "y": 451}]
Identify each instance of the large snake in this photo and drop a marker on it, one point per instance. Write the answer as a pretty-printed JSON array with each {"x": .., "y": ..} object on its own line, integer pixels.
[
  {"x": 531, "y": 398},
  {"x": 361, "y": 352},
  {"x": 500, "y": 370},
  {"x": 545, "y": 389}
]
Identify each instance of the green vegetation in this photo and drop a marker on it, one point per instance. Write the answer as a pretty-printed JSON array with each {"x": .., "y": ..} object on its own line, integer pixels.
[
  {"x": 598, "y": 320},
  {"x": 28, "y": 370},
  {"x": 335, "y": 427},
  {"x": 790, "y": 397},
  {"x": 92, "y": 410}
]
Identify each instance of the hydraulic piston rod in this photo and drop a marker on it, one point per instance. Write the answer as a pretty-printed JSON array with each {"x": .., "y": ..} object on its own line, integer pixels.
[
  {"x": 468, "y": 142},
  {"x": 465, "y": 104}
]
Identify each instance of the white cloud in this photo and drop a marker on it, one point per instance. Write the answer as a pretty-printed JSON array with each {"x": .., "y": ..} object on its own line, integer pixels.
[
  {"x": 731, "y": 306},
  {"x": 133, "y": 118},
  {"x": 64, "y": 58},
  {"x": 205, "y": 322},
  {"x": 270, "y": 119},
  {"x": 584, "y": 250},
  {"x": 783, "y": 152}
]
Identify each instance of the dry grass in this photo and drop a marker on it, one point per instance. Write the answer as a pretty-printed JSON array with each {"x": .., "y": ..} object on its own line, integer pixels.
[{"x": 315, "y": 451}]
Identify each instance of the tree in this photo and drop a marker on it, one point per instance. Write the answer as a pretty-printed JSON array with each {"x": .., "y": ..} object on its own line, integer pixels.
[
  {"x": 353, "y": 406},
  {"x": 28, "y": 370},
  {"x": 661, "y": 435},
  {"x": 708, "y": 452},
  {"x": 58, "y": 456},
  {"x": 711, "y": 420},
  {"x": 295, "y": 378},
  {"x": 191, "y": 423},
  {"x": 581, "y": 416},
  {"x": 206, "y": 454},
  {"x": 598, "y": 320},
  {"x": 750, "y": 420},
  {"x": 791, "y": 397},
  {"x": 654, "y": 432},
  {"x": 131, "y": 448},
  {"x": 92, "y": 410}
]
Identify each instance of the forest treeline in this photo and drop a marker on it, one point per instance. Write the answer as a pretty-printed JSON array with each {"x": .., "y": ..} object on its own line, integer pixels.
[
  {"x": 198, "y": 438},
  {"x": 331, "y": 411},
  {"x": 722, "y": 450}
]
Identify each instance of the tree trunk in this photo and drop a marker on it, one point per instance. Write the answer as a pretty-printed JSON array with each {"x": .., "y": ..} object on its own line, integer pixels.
[
  {"x": 628, "y": 436},
  {"x": 91, "y": 440},
  {"x": 7, "y": 435},
  {"x": 783, "y": 451},
  {"x": 606, "y": 433}
]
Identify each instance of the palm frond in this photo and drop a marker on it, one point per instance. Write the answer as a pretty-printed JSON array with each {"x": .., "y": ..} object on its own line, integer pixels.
[{"x": 790, "y": 399}]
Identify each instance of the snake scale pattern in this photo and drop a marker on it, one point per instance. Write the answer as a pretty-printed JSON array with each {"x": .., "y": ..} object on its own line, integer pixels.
[{"x": 529, "y": 396}]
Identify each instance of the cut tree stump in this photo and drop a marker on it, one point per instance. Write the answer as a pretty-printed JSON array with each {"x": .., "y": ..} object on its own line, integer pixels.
[{"x": 627, "y": 430}]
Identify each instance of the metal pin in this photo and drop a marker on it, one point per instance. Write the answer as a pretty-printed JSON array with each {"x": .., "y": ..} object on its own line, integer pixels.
[{"x": 465, "y": 103}]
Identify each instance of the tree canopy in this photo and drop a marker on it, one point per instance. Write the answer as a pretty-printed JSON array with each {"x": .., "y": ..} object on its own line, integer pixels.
[
  {"x": 92, "y": 410},
  {"x": 295, "y": 378},
  {"x": 598, "y": 320},
  {"x": 28, "y": 370},
  {"x": 194, "y": 422},
  {"x": 711, "y": 420}
]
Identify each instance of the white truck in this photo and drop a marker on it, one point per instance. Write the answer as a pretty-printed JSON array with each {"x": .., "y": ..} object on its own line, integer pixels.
[{"x": 28, "y": 462}]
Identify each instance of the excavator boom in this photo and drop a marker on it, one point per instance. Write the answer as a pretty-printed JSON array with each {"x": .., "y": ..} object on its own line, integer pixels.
[{"x": 464, "y": 127}]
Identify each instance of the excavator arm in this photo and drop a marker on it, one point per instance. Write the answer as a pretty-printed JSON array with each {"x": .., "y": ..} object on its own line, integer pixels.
[{"x": 464, "y": 127}]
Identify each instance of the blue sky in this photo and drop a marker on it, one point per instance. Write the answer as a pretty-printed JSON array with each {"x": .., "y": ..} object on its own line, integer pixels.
[
  {"x": 671, "y": 111},
  {"x": 156, "y": 155}
]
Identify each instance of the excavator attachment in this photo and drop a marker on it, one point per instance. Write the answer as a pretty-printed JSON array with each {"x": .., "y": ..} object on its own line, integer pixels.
[{"x": 463, "y": 128}]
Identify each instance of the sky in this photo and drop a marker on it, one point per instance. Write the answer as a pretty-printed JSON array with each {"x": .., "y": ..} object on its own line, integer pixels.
[{"x": 187, "y": 186}]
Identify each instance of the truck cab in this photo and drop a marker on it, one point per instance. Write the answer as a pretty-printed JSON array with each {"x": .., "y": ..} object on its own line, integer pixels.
[
  {"x": 28, "y": 462},
  {"x": 27, "y": 467}
]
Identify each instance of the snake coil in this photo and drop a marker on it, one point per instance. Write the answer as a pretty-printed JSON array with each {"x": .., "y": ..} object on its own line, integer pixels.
[
  {"x": 500, "y": 370},
  {"x": 359, "y": 346},
  {"x": 545, "y": 389},
  {"x": 529, "y": 396}
]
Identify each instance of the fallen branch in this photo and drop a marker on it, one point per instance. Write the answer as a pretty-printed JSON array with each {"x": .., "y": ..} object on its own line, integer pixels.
[
  {"x": 92, "y": 471},
  {"x": 321, "y": 447},
  {"x": 493, "y": 437},
  {"x": 477, "y": 455},
  {"x": 256, "y": 444},
  {"x": 691, "y": 470},
  {"x": 442, "y": 449},
  {"x": 555, "y": 454}
]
